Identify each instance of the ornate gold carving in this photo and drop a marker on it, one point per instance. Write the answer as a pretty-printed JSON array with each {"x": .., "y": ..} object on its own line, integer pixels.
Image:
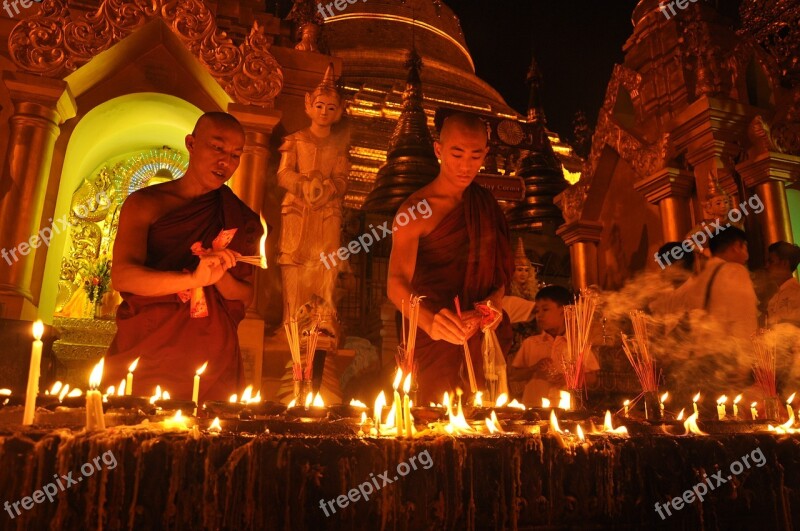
[
  {"x": 572, "y": 201},
  {"x": 59, "y": 40}
]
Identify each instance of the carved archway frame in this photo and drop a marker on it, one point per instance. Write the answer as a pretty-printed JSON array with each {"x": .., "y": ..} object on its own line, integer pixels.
[{"x": 60, "y": 40}]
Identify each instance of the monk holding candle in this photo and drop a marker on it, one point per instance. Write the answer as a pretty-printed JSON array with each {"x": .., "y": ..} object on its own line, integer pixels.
[
  {"x": 175, "y": 265},
  {"x": 463, "y": 250}
]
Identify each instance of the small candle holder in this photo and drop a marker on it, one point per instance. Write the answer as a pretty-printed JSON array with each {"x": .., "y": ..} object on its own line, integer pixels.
[
  {"x": 576, "y": 397},
  {"x": 772, "y": 409}
]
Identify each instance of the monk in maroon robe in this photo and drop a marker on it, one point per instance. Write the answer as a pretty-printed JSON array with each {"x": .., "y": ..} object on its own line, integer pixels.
[
  {"x": 462, "y": 249},
  {"x": 175, "y": 265}
]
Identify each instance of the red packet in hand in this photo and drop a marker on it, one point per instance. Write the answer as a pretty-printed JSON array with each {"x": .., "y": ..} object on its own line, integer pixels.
[
  {"x": 223, "y": 239},
  {"x": 490, "y": 315},
  {"x": 198, "y": 307}
]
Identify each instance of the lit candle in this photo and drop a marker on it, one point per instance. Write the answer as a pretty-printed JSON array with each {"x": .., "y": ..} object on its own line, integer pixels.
[
  {"x": 753, "y": 410},
  {"x": 626, "y": 405},
  {"x": 33, "y": 374},
  {"x": 129, "y": 381},
  {"x": 789, "y": 407},
  {"x": 694, "y": 403},
  {"x": 363, "y": 422},
  {"x": 736, "y": 406},
  {"x": 196, "y": 388},
  {"x": 661, "y": 404},
  {"x": 721, "y": 407},
  {"x": 398, "y": 405},
  {"x": 379, "y": 403},
  {"x": 94, "y": 400},
  {"x": 407, "y": 407}
]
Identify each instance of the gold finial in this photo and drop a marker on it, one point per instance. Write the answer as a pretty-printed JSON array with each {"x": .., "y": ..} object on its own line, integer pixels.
[{"x": 714, "y": 189}]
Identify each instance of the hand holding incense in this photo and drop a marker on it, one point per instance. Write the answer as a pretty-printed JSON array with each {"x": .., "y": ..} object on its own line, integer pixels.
[{"x": 473, "y": 384}]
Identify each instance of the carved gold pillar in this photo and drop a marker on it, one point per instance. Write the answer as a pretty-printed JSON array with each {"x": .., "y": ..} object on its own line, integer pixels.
[
  {"x": 670, "y": 188},
  {"x": 582, "y": 238},
  {"x": 41, "y": 105},
  {"x": 249, "y": 183},
  {"x": 766, "y": 176}
]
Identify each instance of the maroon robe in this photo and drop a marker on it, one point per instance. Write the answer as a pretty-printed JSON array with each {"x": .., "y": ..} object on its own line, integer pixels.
[
  {"x": 468, "y": 254},
  {"x": 172, "y": 345}
]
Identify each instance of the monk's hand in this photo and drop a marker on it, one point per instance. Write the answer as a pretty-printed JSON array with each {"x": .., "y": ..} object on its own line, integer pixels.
[
  {"x": 448, "y": 327},
  {"x": 212, "y": 266},
  {"x": 471, "y": 321}
]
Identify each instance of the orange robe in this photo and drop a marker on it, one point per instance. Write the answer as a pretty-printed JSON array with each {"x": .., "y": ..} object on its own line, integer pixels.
[
  {"x": 173, "y": 345},
  {"x": 468, "y": 254}
]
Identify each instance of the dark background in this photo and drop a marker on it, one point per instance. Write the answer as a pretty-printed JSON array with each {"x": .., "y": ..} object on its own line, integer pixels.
[{"x": 576, "y": 43}]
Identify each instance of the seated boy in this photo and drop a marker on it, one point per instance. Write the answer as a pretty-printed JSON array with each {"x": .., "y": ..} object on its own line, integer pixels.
[{"x": 539, "y": 360}]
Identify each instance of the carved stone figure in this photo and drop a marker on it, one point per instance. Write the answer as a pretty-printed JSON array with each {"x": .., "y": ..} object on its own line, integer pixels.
[{"x": 313, "y": 170}]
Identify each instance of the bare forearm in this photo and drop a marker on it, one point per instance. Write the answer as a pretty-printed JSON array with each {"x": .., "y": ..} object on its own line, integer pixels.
[
  {"x": 235, "y": 290},
  {"x": 147, "y": 282}
]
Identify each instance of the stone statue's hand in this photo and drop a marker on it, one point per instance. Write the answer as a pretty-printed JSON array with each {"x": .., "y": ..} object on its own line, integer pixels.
[{"x": 313, "y": 191}]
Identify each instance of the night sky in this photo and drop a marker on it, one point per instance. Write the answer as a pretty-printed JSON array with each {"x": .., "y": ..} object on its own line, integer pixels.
[{"x": 575, "y": 42}]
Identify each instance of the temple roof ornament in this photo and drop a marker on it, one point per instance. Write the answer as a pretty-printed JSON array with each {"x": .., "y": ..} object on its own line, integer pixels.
[
  {"x": 410, "y": 162},
  {"x": 59, "y": 40}
]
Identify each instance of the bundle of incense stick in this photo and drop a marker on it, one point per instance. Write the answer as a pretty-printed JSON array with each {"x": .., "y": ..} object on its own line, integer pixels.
[
  {"x": 411, "y": 341},
  {"x": 764, "y": 367},
  {"x": 257, "y": 261},
  {"x": 293, "y": 336},
  {"x": 578, "y": 320},
  {"x": 473, "y": 384},
  {"x": 311, "y": 348},
  {"x": 638, "y": 352}
]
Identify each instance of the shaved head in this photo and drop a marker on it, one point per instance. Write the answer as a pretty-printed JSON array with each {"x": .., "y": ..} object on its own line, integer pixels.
[
  {"x": 466, "y": 124},
  {"x": 221, "y": 120}
]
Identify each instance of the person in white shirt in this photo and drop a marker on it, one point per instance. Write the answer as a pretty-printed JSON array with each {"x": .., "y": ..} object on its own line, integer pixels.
[
  {"x": 782, "y": 262},
  {"x": 539, "y": 361}
]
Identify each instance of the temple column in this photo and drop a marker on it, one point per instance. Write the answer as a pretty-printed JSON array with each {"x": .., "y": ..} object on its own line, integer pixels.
[
  {"x": 41, "y": 105},
  {"x": 249, "y": 184},
  {"x": 670, "y": 189},
  {"x": 582, "y": 238},
  {"x": 767, "y": 176}
]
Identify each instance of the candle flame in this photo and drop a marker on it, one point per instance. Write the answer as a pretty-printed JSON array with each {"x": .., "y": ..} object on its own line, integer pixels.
[
  {"x": 516, "y": 405},
  {"x": 379, "y": 403},
  {"x": 608, "y": 425},
  {"x": 309, "y": 399},
  {"x": 247, "y": 394},
  {"x": 696, "y": 397},
  {"x": 97, "y": 374},
  {"x": 55, "y": 389},
  {"x": 215, "y": 426},
  {"x": 490, "y": 426},
  {"x": 262, "y": 244},
  {"x": 545, "y": 402},
  {"x": 721, "y": 400},
  {"x": 63, "y": 393},
  {"x": 791, "y": 398},
  {"x": 681, "y": 414},
  {"x": 664, "y": 397},
  {"x": 581, "y": 436},
  {"x": 554, "y": 422},
  {"x": 754, "y": 404},
  {"x": 165, "y": 395},
  {"x": 390, "y": 423},
  {"x": 398, "y": 379},
  {"x": 407, "y": 384},
  {"x": 501, "y": 401},
  {"x": 38, "y": 330},
  {"x": 358, "y": 403},
  {"x": 626, "y": 403},
  {"x": 291, "y": 404},
  {"x": 256, "y": 399},
  {"x": 478, "y": 400},
  {"x": 446, "y": 403},
  {"x": 233, "y": 398},
  {"x": 110, "y": 391},
  {"x": 737, "y": 399},
  {"x": 121, "y": 388},
  {"x": 75, "y": 392},
  {"x": 7, "y": 392},
  {"x": 132, "y": 366},
  {"x": 690, "y": 425},
  {"x": 565, "y": 400},
  {"x": 457, "y": 423},
  {"x": 363, "y": 417},
  {"x": 199, "y": 371},
  {"x": 318, "y": 401},
  {"x": 178, "y": 421}
]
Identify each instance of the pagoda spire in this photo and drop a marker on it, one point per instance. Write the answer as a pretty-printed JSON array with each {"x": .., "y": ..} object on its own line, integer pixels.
[
  {"x": 534, "y": 82},
  {"x": 410, "y": 162}
]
